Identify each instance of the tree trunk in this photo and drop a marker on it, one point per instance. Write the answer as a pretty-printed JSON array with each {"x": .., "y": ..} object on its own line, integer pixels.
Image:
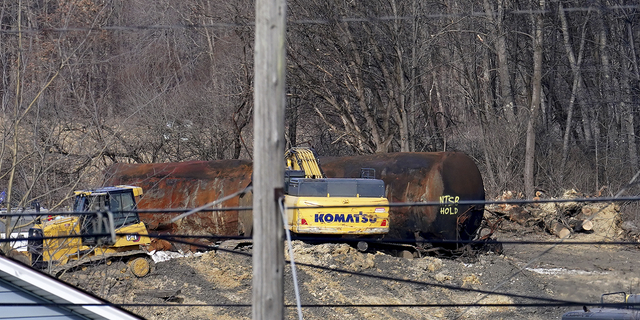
[
  {"x": 497, "y": 23},
  {"x": 536, "y": 93},
  {"x": 401, "y": 101},
  {"x": 577, "y": 82},
  {"x": 413, "y": 83},
  {"x": 630, "y": 122},
  {"x": 488, "y": 113},
  {"x": 6, "y": 246}
]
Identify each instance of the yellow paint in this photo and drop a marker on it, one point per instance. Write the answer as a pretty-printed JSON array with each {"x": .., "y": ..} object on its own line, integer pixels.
[
  {"x": 361, "y": 216},
  {"x": 449, "y": 204},
  {"x": 139, "y": 267},
  {"x": 303, "y": 159},
  {"x": 62, "y": 250}
]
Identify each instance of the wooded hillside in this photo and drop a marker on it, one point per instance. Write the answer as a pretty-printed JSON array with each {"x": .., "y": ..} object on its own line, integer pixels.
[{"x": 542, "y": 94}]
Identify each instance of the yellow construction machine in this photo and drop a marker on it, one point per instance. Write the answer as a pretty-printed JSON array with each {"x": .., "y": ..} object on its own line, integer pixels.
[
  {"x": 331, "y": 206},
  {"x": 110, "y": 230}
]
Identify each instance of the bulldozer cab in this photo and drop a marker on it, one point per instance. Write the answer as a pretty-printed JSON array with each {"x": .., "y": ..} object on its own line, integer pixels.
[
  {"x": 120, "y": 201},
  {"x": 108, "y": 227}
]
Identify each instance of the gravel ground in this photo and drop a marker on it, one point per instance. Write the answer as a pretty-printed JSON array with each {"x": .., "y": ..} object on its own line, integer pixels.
[{"x": 567, "y": 272}]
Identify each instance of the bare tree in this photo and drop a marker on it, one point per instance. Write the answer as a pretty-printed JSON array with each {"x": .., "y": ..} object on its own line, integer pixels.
[
  {"x": 495, "y": 13},
  {"x": 536, "y": 93},
  {"x": 576, "y": 90}
]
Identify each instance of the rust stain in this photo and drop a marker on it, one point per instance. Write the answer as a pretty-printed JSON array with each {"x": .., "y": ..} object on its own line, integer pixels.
[
  {"x": 421, "y": 177},
  {"x": 409, "y": 177},
  {"x": 186, "y": 185}
]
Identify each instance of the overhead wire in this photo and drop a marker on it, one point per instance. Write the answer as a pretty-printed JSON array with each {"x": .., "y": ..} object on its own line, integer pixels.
[
  {"x": 336, "y": 305},
  {"x": 548, "y": 302},
  {"x": 186, "y": 212},
  {"x": 294, "y": 275},
  {"x": 175, "y": 237},
  {"x": 205, "y": 208},
  {"x": 299, "y": 305},
  {"x": 388, "y": 278},
  {"x": 326, "y": 21},
  {"x": 318, "y": 21},
  {"x": 212, "y": 203}
]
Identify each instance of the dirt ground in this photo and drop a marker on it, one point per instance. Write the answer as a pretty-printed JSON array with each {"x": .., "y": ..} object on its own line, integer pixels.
[{"x": 565, "y": 271}]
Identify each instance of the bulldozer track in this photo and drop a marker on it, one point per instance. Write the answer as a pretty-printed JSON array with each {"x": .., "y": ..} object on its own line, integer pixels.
[{"x": 59, "y": 270}]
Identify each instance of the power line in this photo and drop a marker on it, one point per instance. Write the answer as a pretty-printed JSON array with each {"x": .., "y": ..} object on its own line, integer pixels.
[
  {"x": 391, "y": 205},
  {"x": 521, "y": 269},
  {"x": 307, "y": 21},
  {"x": 391, "y": 240},
  {"x": 387, "y": 278},
  {"x": 334, "y": 305},
  {"x": 175, "y": 237},
  {"x": 547, "y": 302},
  {"x": 375, "y": 244}
]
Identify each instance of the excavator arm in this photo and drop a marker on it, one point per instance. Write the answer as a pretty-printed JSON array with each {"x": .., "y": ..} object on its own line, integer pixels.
[{"x": 304, "y": 159}]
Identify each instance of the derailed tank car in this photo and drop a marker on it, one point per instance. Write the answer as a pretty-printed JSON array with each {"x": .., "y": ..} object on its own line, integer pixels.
[
  {"x": 187, "y": 185},
  {"x": 444, "y": 177}
]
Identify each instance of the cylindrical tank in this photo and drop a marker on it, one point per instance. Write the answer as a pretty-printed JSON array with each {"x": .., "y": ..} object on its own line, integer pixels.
[
  {"x": 188, "y": 185},
  {"x": 444, "y": 177}
]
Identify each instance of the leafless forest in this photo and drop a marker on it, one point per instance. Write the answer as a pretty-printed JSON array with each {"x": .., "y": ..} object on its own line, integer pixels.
[{"x": 542, "y": 94}]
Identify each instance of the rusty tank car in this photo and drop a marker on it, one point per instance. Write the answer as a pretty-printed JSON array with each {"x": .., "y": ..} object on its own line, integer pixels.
[
  {"x": 444, "y": 177},
  {"x": 188, "y": 185}
]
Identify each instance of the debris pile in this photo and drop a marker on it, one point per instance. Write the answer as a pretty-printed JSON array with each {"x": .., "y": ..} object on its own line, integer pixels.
[{"x": 562, "y": 218}]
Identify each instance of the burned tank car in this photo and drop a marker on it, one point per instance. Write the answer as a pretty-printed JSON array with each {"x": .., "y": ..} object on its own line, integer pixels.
[
  {"x": 444, "y": 177},
  {"x": 188, "y": 185}
]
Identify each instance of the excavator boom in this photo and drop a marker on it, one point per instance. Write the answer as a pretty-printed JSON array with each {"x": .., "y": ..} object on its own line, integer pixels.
[{"x": 304, "y": 159}]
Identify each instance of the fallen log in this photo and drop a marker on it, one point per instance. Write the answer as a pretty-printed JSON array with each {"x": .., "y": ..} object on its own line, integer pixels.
[
  {"x": 559, "y": 230},
  {"x": 584, "y": 225}
]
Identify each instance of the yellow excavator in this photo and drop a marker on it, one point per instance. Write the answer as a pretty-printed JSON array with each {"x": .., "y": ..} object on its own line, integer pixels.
[
  {"x": 331, "y": 206},
  {"x": 111, "y": 230}
]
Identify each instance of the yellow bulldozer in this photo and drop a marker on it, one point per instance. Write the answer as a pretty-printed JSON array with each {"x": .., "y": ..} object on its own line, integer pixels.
[
  {"x": 332, "y": 206},
  {"x": 104, "y": 227}
]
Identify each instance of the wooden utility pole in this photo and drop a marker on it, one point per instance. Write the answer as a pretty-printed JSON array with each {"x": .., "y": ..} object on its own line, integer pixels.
[{"x": 268, "y": 161}]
